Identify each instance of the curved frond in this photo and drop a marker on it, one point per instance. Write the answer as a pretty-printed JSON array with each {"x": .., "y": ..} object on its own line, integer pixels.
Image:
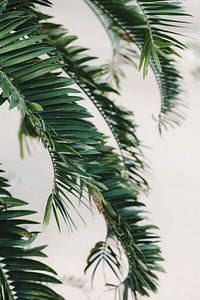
[
  {"x": 153, "y": 23},
  {"x": 160, "y": 36},
  {"x": 29, "y": 81},
  {"x": 119, "y": 120},
  {"x": 128, "y": 225},
  {"x": 122, "y": 49},
  {"x": 22, "y": 276},
  {"x": 150, "y": 25}
]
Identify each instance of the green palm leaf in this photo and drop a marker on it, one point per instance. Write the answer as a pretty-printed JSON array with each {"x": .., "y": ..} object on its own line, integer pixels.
[
  {"x": 128, "y": 227},
  {"x": 21, "y": 275},
  {"x": 29, "y": 81},
  {"x": 150, "y": 25},
  {"x": 119, "y": 120}
]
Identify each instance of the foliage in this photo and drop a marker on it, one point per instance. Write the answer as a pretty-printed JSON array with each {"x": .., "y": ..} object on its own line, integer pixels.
[
  {"x": 125, "y": 219},
  {"x": 151, "y": 26},
  {"x": 21, "y": 275},
  {"x": 39, "y": 66}
]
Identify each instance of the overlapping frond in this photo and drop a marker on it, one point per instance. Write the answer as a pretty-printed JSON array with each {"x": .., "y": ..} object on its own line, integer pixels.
[
  {"x": 120, "y": 121},
  {"x": 22, "y": 276},
  {"x": 150, "y": 25},
  {"x": 28, "y": 80},
  {"x": 123, "y": 52},
  {"x": 127, "y": 224},
  {"x": 160, "y": 38}
]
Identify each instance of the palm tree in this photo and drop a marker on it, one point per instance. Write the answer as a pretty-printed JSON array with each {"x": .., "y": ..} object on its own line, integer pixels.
[{"x": 39, "y": 64}]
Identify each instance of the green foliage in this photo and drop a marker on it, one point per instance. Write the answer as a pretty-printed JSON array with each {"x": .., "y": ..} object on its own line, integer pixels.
[
  {"x": 120, "y": 121},
  {"x": 33, "y": 55},
  {"x": 29, "y": 81},
  {"x": 153, "y": 19},
  {"x": 160, "y": 40},
  {"x": 151, "y": 25},
  {"x": 21, "y": 275},
  {"x": 128, "y": 225}
]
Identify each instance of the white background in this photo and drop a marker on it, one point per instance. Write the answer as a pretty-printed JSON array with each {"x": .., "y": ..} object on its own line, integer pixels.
[{"x": 175, "y": 159}]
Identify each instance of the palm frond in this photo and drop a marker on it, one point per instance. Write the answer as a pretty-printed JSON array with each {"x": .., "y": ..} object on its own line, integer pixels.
[
  {"x": 160, "y": 38},
  {"x": 29, "y": 81},
  {"x": 21, "y": 275},
  {"x": 127, "y": 224},
  {"x": 122, "y": 49},
  {"x": 150, "y": 25},
  {"x": 120, "y": 121}
]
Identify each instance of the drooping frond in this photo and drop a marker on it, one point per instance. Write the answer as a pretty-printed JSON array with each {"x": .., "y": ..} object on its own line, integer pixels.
[
  {"x": 28, "y": 81},
  {"x": 150, "y": 25},
  {"x": 122, "y": 49},
  {"x": 128, "y": 225},
  {"x": 119, "y": 120},
  {"x": 172, "y": 94},
  {"x": 160, "y": 39},
  {"x": 22, "y": 276}
]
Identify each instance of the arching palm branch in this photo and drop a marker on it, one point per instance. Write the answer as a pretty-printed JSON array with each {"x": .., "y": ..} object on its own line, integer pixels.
[
  {"x": 26, "y": 80},
  {"x": 151, "y": 26}
]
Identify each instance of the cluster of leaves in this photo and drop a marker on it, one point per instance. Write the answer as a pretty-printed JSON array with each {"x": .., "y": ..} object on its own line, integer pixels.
[
  {"x": 21, "y": 275},
  {"x": 33, "y": 55}
]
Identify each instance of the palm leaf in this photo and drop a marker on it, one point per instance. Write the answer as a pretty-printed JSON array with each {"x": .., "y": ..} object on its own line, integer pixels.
[
  {"x": 21, "y": 275},
  {"x": 127, "y": 224},
  {"x": 149, "y": 25},
  {"x": 152, "y": 22},
  {"x": 119, "y": 120},
  {"x": 26, "y": 77}
]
